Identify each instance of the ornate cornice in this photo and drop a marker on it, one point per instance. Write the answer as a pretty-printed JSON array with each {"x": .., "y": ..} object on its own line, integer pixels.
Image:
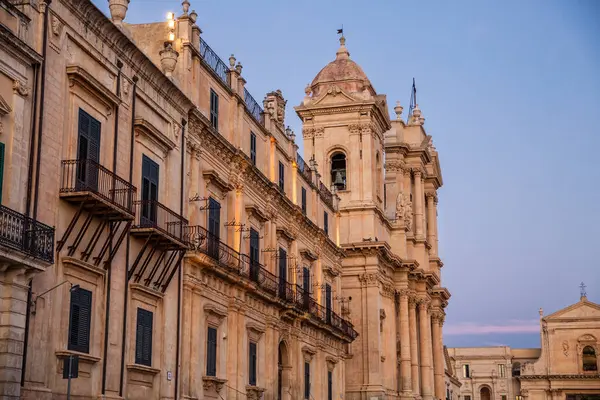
[
  {"x": 126, "y": 50},
  {"x": 563, "y": 377}
]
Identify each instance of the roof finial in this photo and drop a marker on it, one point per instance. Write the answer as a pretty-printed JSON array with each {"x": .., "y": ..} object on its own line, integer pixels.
[
  {"x": 582, "y": 292},
  {"x": 342, "y": 53}
]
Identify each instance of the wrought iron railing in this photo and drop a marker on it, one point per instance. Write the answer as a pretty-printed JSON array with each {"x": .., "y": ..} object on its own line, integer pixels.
[
  {"x": 154, "y": 215},
  {"x": 89, "y": 176},
  {"x": 201, "y": 240},
  {"x": 26, "y": 235},
  {"x": 326, "y": 194},
  {"x": 253, "y": 107},
  {"x": 305, "y": 171},
  {"x": 213, "y": 61}
]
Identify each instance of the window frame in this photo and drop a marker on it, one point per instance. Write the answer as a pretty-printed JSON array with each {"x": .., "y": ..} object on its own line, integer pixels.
[
  {"x": 303, "y": 199},
  {"x": 252, "y": 363},
  {"x": 326, "y": 222},
  {"x": 140, "y": 358},
  {"x": 281, "y": 182},
  {"x": 466, "y": 370},
  {"x": 82, "y": 322},
  {"x": 211, "y": 363},
  {"x": 214, "y": 109},
  {"x": 253, "y": 147},
  {"x": 306, "y": 380}
]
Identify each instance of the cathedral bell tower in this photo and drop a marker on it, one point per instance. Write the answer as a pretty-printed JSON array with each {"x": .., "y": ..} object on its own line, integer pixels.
[{"x": 344, "y": 121}]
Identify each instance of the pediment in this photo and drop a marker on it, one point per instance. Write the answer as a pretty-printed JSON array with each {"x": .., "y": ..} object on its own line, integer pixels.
[
  {"x": 583, "y": 309},
  {"x": 334, "y": 95},
  {"x": 4, "y": 107}
]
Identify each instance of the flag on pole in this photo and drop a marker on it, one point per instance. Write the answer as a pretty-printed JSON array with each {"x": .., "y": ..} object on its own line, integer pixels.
[{"x": 340, "y": 31}]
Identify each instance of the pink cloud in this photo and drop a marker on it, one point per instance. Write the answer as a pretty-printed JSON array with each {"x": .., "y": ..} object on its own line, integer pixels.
[{"x": 514, "y": 326}]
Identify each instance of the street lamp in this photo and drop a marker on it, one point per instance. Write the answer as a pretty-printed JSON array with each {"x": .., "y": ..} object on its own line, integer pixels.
[{"x": 72, "y": 289}]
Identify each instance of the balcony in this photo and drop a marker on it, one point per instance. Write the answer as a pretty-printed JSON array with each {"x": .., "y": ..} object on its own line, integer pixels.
[
  {"x": 200, "y": 240},
  {"x": 97, "y": 190},
  {"x": 25, "y": 235},
  {"x": 156, "y": 222}
]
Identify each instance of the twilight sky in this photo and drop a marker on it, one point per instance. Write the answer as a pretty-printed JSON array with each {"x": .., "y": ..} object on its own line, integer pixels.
[{"x": 511, "y": 94}]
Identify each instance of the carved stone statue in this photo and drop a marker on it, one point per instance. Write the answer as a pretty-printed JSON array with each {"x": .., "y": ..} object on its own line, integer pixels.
[
  {"x": 400, "y": 206},
  {"x": 408, "y": 212}
]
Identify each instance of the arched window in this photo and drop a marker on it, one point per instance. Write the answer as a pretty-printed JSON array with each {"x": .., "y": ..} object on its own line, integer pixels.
[
  {"x": 516, "y": 369},
  {"x": 338, "y": 171},
  {"x": 590, "y": 362}
]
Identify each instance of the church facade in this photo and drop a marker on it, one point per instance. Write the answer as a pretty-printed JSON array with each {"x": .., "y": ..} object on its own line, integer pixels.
[
  {"x": 189, "y": 251},
  {"x": 565, "y": 367}
]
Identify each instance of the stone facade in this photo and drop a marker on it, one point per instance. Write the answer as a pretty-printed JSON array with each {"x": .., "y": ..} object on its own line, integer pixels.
[
  {"x": 564, "y": 368},
  {"x": 388, "y": 230},
  {"x": 195, "y": 254}
]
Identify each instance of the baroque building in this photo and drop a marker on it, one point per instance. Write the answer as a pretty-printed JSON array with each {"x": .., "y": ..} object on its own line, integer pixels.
[
  {"x": 565, "y": 367},
  {"x": 161, "y": 229}
]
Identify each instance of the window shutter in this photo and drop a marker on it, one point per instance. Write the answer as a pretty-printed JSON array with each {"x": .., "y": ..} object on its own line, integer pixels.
[
  {"x": 1, "y": 169},
  {"x": 211, "y": 352},
  {"x": 252, "y": 364},
  {"x": 329, "y": 385},
  {"x": 306, "y": 380},
  {"x": 143, "y": 339},
  {"x": 79, "y": 320}
]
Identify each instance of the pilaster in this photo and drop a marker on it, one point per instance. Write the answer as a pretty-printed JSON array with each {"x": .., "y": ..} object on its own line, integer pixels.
[
  {"x": 425, "y": 347},
  {"x": 405, "y": 348},
  {"x": 437, "y": 320},
  {"x": 414, "y": 346}
]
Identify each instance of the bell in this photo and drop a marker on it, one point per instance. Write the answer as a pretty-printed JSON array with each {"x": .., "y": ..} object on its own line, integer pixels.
[{"x": 338, "y": 179}]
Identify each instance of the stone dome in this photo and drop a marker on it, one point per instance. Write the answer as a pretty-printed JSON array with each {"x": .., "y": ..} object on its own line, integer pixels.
[{"x": 342, "y": 72}]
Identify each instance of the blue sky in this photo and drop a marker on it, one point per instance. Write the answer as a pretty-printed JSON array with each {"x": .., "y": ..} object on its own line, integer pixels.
[{"x": 511, "y": 94}]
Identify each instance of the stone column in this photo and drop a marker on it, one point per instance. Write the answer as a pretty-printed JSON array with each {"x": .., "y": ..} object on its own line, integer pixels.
[
  {"x": 431, "y": 217},
  {"x": 418, "y": 200},
  {"x": 425, "y": 347},
  {"x": 405, "y": 345},
  {"x": 435, "y": 225},
  {"x": 13, "y": 309},
  {"x": 437, "y": 320},
  {"x": 414, "y": 349}
]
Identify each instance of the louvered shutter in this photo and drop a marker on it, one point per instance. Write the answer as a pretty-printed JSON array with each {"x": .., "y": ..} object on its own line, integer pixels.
[
  {"x": 252, "y": 364},
  {"x": 306, "y": 380},
  {"x": 211, "y": 352},
  {"x": 79, "y": 320},
  {"x": 329, "y": 385},
  {"x": 143, "y": 338}
]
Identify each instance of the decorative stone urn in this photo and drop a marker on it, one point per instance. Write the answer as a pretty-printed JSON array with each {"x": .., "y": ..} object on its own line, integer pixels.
[
  {"x": 118, "y": 9},
  {"x": 168, "y": 59}
]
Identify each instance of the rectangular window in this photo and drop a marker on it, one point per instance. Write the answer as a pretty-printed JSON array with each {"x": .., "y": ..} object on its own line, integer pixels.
[
  {"x": 88, "y": 151},
  {"x": 252, "y": 364},
  {"x": 306, "y": 286},
  {"x": 1, "y": 169},
  {"x": 150, "y": 172},
  {"x": 281, "y": 177},
  {"x": 467, "y": 397},
  {"x": 143, "y": 337},
  {"x": 214, "y": 109},
  {"x": 329, "y": 385},
  {"x": 79, "y": 320},
  {"x": 303, "y": 201},
  {"x": 214, "y": 227},
  {"x": 328, "y": 302},
  {"x": 254, "y": 255},
  {"x": 211, "y": 352},
  {"x": 502, "y": 371},
  {"x": 503, "y": 397},
  {"x": 466, "y": 371},
  {"x": 282, "y": 273},
  {"x": 326, "y": 223},
  {"x": 306, "y": 380},
  {"x": 253, "y": 148}
]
